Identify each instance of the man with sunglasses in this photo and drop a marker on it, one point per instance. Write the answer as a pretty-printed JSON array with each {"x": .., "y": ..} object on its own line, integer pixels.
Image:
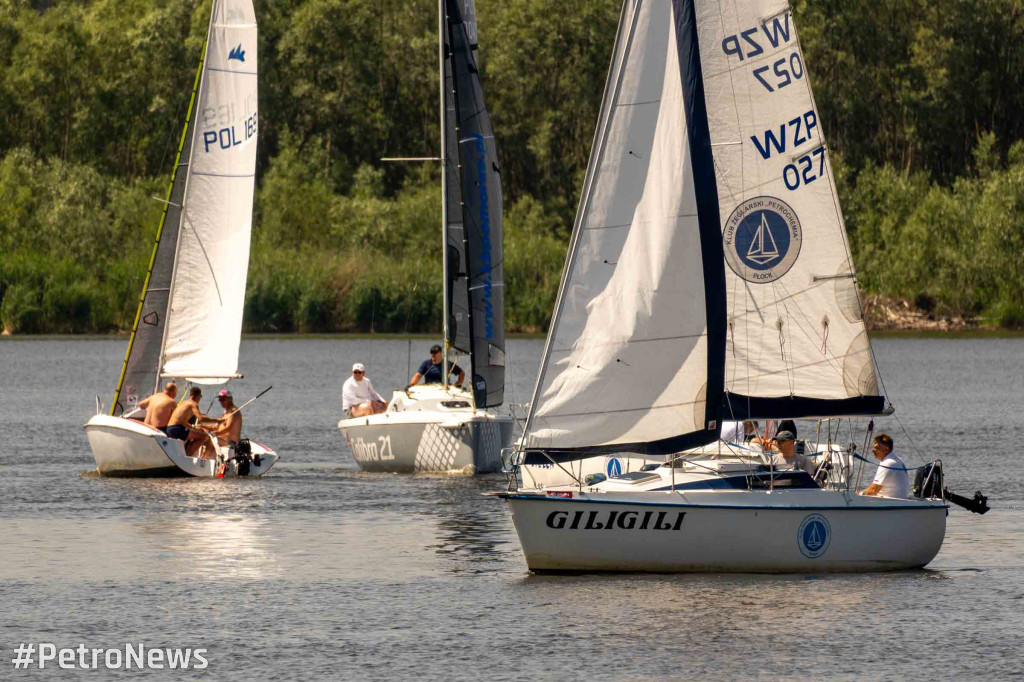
[
  {"x": 358, "y": 397},
  {"x": 430, "y": 370}
]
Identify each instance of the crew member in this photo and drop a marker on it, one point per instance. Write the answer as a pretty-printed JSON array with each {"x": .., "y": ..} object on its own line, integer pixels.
[
  {"x": 787, "y": 459},
  {"x": 186, "y": 414},
  {"x": 159, "y": 406},
  {"x": 227, "y": 428},
  {"x": 358, "y": 397},
  {"x": 430, "y": 370},
  {"x": 891, "y": 479}
]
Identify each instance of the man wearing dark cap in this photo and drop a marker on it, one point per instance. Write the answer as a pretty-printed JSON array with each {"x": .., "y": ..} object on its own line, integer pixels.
[
  {"x": 430, "y": 370},
  {"x": 787, "y": 458}
]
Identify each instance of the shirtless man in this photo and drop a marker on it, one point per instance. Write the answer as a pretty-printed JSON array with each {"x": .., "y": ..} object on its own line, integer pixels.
[
  {"x": 159, "y": 406},
  {"x": 186, "y": 414},
  {"x": 228, "y": 428}
]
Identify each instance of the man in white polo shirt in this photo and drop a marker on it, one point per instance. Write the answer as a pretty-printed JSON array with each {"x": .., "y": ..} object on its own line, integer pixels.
[
  {"x": 891, "y": 479},
  {"x": 358, "y": 398}
]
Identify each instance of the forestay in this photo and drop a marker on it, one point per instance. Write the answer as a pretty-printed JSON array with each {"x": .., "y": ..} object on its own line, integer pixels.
[
  {"x": 634, "y": 357},
  {"x": 208, "y": 288},
  {"x": 473, "y": 230},
  {"x": 796, "y": 343}
]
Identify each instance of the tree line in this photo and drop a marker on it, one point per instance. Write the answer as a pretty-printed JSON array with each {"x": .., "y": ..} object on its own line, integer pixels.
[{"x": 919, "y": 101}]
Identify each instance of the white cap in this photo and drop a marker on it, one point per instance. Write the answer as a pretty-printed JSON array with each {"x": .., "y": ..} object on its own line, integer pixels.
[{"x": 358, "y": 366}]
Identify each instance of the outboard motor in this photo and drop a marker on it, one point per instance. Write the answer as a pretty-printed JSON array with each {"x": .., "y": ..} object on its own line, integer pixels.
[
  {"x": 243, "y": 456},
  {"x": 978, "y": 505},
  {"x": 928, "y": 480}
]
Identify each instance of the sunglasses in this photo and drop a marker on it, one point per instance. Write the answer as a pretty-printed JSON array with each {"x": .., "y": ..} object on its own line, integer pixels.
[
  {"x": 435, "y": 352},
  {"x": 357, "y": 372}
]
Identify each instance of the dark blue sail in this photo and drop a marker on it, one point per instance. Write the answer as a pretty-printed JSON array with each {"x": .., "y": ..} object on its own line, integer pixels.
[{"x": 475, "y": 288}]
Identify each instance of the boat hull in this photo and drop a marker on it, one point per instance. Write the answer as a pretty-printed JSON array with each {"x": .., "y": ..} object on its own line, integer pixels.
[
  {"x": 128, "y": 448},
  {"x": 414, "y": 442},
  {"x": 743, "y": 532}
]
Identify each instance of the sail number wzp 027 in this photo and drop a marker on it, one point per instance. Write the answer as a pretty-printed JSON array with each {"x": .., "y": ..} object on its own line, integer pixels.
[{"x": 772, "y": 34}]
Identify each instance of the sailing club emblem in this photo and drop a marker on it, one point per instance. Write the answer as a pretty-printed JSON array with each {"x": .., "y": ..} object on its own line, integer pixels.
[
  {"x": 762, "y": 239},
  {"x": 814, "y": 536}
]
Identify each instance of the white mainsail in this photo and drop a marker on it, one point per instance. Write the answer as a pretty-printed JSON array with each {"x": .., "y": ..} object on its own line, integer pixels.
[
  {"x": 208, "y": 288},
  {"x": 795, "y": 333},
  {"x": 627, "y": 360}
]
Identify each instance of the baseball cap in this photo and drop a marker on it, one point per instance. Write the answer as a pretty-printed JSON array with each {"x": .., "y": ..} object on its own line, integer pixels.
[
  {"x": 435, "y": 348},
  {"x": 224, "y": 394},
  {"x": 358, "y": 367},
  {"x": 785, "y": 435}
]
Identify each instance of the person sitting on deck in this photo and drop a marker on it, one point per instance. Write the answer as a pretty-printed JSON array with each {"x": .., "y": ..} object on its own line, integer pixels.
[
  {"x": 891, "y": 479},
  {"x": 159, "y": 407},
  {"x": 787, "y": 459},
  {"x": 358, "y": 397},
  {"x": 185, "y": 415},
  {"x": 430, "y": 370},
  {"x": 228, "y": 427}
]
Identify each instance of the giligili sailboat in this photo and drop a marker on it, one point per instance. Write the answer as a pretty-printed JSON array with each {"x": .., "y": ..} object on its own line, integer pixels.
[{"x": 708, "y": 279}]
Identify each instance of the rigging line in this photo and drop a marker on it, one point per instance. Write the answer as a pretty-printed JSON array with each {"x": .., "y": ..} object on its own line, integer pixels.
[{"x": 188, "y": 223}]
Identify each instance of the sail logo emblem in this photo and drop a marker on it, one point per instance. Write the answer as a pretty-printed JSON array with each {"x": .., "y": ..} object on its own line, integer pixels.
[
  {"x": 613, "y": 467},
  {"x": 237, "y": 53},
  {"x": 814, "y": 536},
  {"x": 762, "y": 239}
]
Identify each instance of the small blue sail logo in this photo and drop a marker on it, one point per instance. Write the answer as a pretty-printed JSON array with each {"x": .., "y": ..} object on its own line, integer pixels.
[
  {"x": 814, "y": 536},
  {"x": 237, "y": 53},
  {"x": 613, "y": 467}
]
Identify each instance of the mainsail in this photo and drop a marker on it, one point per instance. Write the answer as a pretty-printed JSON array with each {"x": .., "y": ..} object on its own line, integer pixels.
[
  {"x": 190, "y": 316},
  {"x": 796, "y": 345},
  {"x": 635, "y": 354},
  {"x": 473, "y": 229}
]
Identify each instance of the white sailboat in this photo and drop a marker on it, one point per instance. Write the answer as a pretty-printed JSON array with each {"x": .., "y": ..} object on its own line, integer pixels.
[
  {"x": 188, "y": 325},
  {"x": 708, "y": 279},
  {"x": 439, "y": 427}
]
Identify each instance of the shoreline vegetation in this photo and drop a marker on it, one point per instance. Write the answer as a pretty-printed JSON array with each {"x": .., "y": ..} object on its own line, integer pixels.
[{"x": 919, "y": 101}]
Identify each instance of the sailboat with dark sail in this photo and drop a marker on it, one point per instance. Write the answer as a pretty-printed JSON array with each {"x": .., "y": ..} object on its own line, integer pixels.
[
  {"x": 709, "y": 279},
  {"x": 189, "y": 321},
  {"x": 441, "y": 427}
]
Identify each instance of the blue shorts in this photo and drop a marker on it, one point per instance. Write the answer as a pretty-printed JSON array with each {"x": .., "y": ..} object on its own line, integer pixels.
[{"x": 177, "y": 431}]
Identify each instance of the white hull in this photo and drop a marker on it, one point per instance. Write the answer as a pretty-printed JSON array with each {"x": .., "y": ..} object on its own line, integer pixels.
[
  {"x": 791, "y": 531},
  {"x": 410, "y": 437},
  {"x": 125, "y": 447}
]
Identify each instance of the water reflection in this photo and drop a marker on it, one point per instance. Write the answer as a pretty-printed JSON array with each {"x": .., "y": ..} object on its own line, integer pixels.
[
  {"x": 235, "y": 546},
  {"x": 472, "y": 532}
]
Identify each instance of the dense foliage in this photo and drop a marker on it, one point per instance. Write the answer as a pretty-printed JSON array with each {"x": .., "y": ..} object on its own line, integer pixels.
[{"x": 919, "y": 100}]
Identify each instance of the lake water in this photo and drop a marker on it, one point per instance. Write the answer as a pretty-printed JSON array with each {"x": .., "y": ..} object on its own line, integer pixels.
[{"x": 319, "y": 571}]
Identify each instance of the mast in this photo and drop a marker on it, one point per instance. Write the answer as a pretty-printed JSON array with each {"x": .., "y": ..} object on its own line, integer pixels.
[
  {"x": 161, "y": 294},
  {"x": 444, "y": 191}
]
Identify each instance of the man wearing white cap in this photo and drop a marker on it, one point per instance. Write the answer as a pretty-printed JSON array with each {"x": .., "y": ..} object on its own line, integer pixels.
[{"x": 358, "y": 398}]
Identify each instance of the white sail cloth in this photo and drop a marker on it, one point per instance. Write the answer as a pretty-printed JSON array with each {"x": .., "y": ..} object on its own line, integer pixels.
[
  {"x": 208, "y": 289},
  {"x": 627, "y": 353},
  {"x": 794, "y": 317}
]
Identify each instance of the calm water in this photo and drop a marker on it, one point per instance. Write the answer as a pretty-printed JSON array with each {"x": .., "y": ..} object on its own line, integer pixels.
[{"x": 319, "y": 571}]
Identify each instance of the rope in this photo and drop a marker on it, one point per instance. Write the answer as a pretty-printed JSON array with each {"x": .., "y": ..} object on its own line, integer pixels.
[{"x": 903, "y": 468}]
